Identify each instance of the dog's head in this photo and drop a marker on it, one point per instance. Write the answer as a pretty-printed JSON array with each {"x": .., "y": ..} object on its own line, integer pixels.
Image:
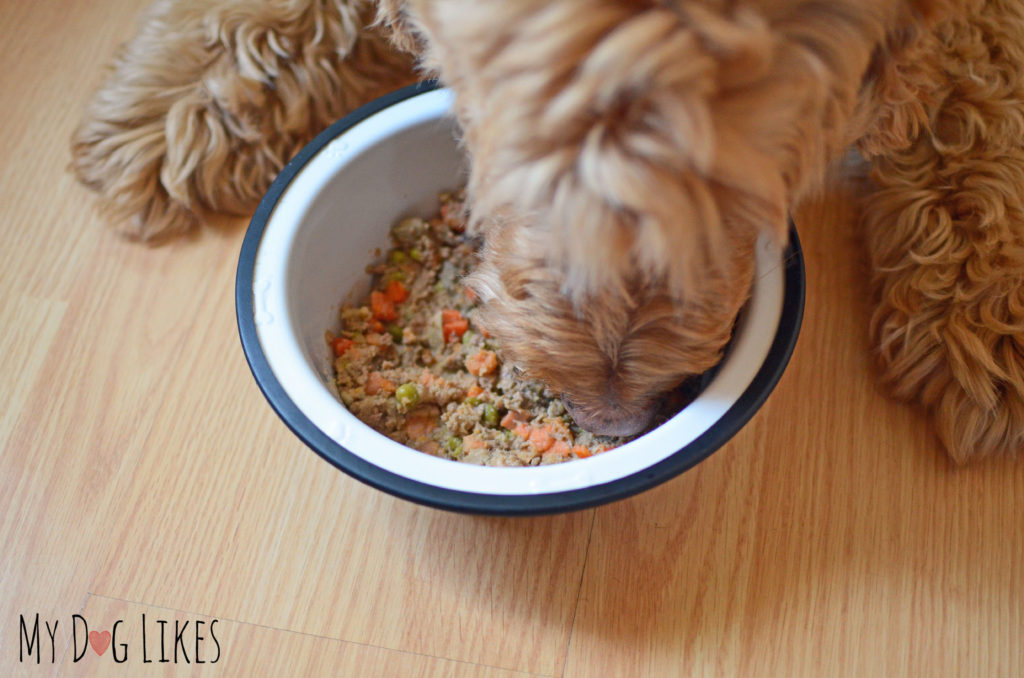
[
  {"x": 612, "y": 352},
  {"x": 622, "y": 202},
  {"x": 625, "y": 158}
]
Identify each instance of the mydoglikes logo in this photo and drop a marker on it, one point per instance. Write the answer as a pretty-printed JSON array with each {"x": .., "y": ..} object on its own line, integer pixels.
[{"x": 146, "y": 640}]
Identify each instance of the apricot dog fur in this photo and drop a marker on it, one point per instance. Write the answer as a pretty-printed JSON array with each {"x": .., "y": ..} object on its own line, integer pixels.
[{"x": 625, "y": 155}]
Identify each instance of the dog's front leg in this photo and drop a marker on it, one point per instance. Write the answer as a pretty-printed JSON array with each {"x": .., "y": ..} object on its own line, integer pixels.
[
  {"x": 946, "y": 229},
  {"x": 207, "y": 102}
]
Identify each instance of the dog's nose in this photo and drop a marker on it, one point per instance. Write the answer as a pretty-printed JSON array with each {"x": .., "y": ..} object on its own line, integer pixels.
[{"x": 609, "y": 419}]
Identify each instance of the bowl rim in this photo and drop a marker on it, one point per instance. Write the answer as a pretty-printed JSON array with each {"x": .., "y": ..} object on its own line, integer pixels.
[{"x": 751, "y": 399}]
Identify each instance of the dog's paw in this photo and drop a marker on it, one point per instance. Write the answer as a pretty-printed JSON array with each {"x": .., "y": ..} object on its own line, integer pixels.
[
  {"x": 949, "y": 325},
  {"x": 971, "y": 430},
  {"x": 964, "y": 361}
]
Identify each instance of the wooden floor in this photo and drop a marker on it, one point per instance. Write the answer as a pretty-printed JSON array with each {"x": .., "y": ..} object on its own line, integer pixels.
[{"x": 146, "y": 481}]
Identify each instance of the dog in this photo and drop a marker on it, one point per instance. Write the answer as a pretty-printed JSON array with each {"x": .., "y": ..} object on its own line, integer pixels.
[{"x": 625, "y": 157}]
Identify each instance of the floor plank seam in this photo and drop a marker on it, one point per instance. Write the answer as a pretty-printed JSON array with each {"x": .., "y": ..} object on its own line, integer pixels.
[
  {"x": 318, "y": 636},
  {"x": 579, "y": 593}
]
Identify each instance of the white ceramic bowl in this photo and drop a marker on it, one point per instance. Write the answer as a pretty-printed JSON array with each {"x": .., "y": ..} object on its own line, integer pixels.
[{"x": 306, "y": 250}]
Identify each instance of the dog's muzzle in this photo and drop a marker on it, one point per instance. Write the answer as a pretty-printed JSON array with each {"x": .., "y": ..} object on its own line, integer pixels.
[{"x": 609, "y": 419}]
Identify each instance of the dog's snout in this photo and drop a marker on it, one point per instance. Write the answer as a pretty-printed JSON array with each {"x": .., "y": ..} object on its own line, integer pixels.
[{"x": 607, "y": 417}]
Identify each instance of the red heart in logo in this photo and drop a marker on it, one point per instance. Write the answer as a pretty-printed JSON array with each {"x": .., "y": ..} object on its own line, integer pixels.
[{"x": 100, "y": 641}]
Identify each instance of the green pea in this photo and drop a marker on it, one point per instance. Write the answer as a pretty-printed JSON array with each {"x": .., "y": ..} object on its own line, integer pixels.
[
  {"x": 396, "y": 333},
  {"x": 490, "y": 415},
  {"x": 472, "y": 401},
  {"x": 467, "y": 337},
  {"x": 395, "y": 275},
  {"x": 398, "y": 257},
  {"x": 454, "y": 446},
  {"x": 408, "y": 394},
  {"x": 415, "y": 254}
]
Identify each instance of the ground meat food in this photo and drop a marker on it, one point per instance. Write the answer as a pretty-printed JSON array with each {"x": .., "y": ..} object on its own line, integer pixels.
[{"x": 413, "y": 363}]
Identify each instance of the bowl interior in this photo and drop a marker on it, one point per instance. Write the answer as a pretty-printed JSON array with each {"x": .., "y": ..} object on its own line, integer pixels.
[{"x": 324, "y": 229}]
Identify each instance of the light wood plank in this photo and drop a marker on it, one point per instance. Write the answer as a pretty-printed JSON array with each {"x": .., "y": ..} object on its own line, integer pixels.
[
  {"x": 31, "y": 341},
  {"x": 85, "y": 418},
  {"x": 92, "y": 325},
  {"x": 52, "y": 57}
]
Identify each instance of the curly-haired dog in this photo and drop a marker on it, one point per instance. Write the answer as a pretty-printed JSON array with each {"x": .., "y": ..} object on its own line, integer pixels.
[{"x": 625, "y": 155}]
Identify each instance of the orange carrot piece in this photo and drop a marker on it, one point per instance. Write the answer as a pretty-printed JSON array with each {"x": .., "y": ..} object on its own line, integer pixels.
[
  {"x": 453, "y": 324},
  {"x": 419, "y": 424},
  {"x": 561, "y": 448},
  {"x": 375, "y": 383},
  {"x": 482, "y": 363},
  {"x": 541, "y": 439},
  {"x": 513, "y": 418},
  {"x": 341, "y": 344},
  {"x": 396, "y": 291},
  {"x": 473, "y": 391},
  {"x": 454, "y": 329},
  {"x": 472, "y": 442},
  {"x": 382, "y": 307},
  {"x": 522, "y": 430},
  {"x": 581, "y": 451}
]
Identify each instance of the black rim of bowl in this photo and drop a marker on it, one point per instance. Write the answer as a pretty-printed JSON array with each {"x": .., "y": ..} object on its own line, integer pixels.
[{"x": 454, "y": 500}]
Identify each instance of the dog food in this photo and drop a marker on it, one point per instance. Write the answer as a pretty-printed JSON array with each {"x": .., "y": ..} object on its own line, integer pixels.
[{"x": 412, "y": 362}]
